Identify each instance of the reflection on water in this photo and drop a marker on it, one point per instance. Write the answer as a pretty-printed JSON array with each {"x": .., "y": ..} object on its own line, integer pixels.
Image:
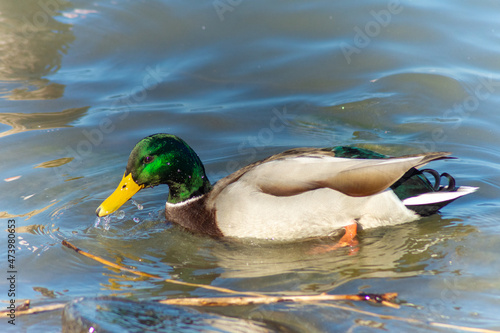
[
  {"x": 55, "y": 163},
  {"x": 22, "y": 122},
  {"x": 28, "y": 215},
  {"x": 42, "y": 89},
  {"x": 33, "y": 45}
]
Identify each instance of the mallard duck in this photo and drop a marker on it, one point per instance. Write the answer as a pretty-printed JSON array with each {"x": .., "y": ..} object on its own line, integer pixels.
[{"x": 300, "y": 193}]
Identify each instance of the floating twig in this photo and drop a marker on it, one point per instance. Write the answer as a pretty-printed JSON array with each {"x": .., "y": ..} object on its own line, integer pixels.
[
  {"x": 385, "y": 299},
  {"x": 24, "y": 308}
]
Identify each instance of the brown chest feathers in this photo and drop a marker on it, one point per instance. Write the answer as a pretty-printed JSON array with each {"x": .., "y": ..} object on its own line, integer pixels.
[{"x": 194, "y": 215}]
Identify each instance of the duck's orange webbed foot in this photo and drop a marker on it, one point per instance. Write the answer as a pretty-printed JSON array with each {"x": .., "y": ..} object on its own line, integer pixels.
[{"x": 347, "y": 240}]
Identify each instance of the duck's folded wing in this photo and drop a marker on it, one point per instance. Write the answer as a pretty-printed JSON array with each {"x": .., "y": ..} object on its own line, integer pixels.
[{"x": 354, "y": 177}]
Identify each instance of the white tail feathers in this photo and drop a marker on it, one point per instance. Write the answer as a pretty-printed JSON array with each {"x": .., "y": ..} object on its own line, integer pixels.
[{"x": 440, "y": 196}]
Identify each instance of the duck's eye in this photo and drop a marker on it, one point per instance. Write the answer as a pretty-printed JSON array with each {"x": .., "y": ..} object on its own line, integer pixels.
[{"x": 148, "y": 159}]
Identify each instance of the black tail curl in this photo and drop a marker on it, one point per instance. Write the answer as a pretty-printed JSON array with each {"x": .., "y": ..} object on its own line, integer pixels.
[{"x": 437, "y": 180}]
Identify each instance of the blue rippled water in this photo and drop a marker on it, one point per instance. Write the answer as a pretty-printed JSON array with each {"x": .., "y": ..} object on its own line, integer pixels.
[{"x": 81, "y": 82}]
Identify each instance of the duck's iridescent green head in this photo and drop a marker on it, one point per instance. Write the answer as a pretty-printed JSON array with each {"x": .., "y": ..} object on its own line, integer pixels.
[{"x": 159, "y": 159}]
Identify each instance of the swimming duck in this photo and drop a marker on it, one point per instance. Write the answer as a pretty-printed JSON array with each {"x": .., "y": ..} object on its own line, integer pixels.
[{"x": 300, "y": 193}]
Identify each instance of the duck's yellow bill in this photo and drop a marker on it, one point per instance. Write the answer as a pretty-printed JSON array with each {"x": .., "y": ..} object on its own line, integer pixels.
[{"x": 125, "y": 190}]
